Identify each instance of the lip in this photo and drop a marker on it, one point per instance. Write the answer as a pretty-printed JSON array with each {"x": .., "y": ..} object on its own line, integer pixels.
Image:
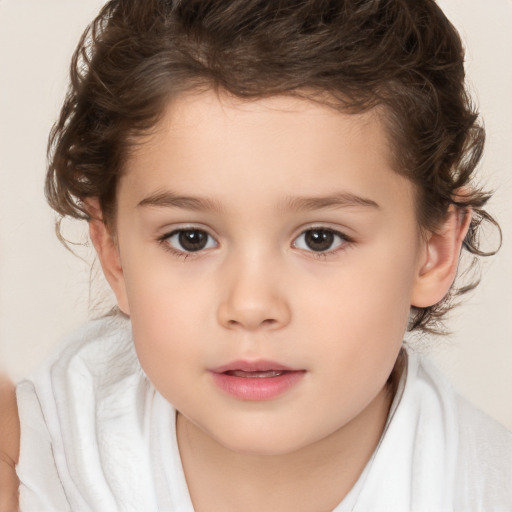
[{"x": 264, "y": 380}]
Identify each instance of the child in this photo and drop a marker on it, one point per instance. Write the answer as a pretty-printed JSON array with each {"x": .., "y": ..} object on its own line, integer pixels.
[{"x": 277, "y": 191}]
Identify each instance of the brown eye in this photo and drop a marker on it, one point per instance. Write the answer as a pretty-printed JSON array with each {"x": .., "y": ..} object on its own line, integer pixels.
[
  {"x": 190, "y": 240},
  {"x": 319, "y": 240}
]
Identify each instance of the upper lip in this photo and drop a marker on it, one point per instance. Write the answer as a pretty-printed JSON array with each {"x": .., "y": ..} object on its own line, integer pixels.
[{"x": 260, "y": 365}]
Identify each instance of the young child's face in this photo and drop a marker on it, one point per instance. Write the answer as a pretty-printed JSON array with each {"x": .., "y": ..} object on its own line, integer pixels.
[{"x": 269, "y": 256}]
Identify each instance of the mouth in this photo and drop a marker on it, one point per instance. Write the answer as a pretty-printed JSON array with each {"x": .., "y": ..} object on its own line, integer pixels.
[
  {"x": 256, "y": 374},
  {"x": 256, "y": 381}
]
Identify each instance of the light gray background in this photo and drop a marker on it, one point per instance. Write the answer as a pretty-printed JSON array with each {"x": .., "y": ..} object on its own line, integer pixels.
[{"x": 45, "y": 290}]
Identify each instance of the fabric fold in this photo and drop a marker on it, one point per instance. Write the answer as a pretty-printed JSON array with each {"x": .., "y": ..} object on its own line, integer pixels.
[{"x": 97, "y": 437}]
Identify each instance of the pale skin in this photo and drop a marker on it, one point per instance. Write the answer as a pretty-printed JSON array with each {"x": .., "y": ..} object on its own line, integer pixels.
[
  {"x": 9, "y": 446},
  {"x": 256, "y": 179}
]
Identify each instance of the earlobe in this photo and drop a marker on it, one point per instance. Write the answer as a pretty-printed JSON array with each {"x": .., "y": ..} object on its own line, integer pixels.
[
  {"x": 108, "y": 254},
  {"x": 437, "y": 270}
]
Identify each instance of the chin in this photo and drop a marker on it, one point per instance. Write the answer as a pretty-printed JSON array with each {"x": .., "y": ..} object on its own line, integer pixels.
[{"x": 262, "y": 442}]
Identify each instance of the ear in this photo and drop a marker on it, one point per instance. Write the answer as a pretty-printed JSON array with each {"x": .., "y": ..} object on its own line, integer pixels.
[
  {"x": 108, "y": 254},
  {"x": 438, "y": 267}
]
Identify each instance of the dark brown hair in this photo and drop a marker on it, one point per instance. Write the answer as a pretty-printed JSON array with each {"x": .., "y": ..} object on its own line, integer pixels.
[{"x": 402, "y": 56}]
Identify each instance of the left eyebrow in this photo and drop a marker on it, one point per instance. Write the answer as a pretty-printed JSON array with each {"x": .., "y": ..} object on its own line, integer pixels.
[
  {"x": 340, "y": 200},
  {"x": 171, "y": 200}
]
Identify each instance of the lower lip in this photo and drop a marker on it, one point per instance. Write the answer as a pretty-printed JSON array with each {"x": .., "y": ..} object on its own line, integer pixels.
[{"x": 257, "y": 388}]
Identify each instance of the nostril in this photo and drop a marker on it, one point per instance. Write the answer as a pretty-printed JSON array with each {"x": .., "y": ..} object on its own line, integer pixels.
[
  {"x": 247, "y": 312},
  {"x": 268, "y": 322}
]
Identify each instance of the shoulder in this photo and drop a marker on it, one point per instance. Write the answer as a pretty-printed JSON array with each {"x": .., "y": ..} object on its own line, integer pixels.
[
  {"x": 484, "y": 472},
  {"x": 95, "y": 369},
  {"x": 478, "y": 447},
  {"x": 93, "y": 347},
  {"x": 92, "y": 359},
  {"x": 81, "y": 418},
  {"x": 475, "y": 428},
  {"x": 437, "y": 452}
]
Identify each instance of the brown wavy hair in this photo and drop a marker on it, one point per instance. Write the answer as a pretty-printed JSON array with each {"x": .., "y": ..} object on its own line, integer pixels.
[{"x": 402, "y": 56}]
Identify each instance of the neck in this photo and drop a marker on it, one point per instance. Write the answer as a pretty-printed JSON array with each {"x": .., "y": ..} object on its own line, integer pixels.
[{"x": 299, "y": 481}]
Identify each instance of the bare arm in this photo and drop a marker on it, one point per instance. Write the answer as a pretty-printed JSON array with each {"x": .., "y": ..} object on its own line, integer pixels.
[{"x": 9, "y": 446}]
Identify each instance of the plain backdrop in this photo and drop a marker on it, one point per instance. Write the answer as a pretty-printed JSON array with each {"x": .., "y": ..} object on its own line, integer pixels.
[{"x": 45, "y": 290}]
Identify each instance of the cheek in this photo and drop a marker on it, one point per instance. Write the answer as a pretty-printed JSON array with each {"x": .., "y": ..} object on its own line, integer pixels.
[
  {"x": 362, "y": 315},
  {"x": 166, "y": 319},
  {"x": 369, "y": 295},
  {"x": 170, "y": 353}
]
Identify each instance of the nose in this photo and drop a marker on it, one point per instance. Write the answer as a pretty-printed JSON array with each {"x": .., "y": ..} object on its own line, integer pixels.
[{"x": 253, "y": 298}]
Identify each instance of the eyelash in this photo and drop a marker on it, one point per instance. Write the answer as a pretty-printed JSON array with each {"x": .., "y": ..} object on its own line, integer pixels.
[
  {"x": 183, "y": 254},
  {"x": 344, "y": 242}
]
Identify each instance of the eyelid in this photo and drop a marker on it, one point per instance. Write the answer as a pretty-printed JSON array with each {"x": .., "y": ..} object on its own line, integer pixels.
[
  {"x": 167, "y": 231},
  {"x": 164, "y": 239},
  {"x": 345, "y": 240}
]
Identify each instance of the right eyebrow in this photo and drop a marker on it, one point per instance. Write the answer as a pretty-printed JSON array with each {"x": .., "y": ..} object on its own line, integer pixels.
[{"x": 169, "y": 199}]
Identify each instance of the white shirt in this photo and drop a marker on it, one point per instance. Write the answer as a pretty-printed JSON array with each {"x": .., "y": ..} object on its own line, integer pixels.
[{"x": 96, "y": 436}]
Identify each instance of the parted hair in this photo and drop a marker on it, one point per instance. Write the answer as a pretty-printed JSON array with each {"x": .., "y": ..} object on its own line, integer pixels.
[{"x": 402, "y": 57}]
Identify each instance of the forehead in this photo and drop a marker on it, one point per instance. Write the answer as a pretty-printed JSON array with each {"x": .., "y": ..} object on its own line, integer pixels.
[
  {"x": 214, "y": 143},
  {"x": 275, "y": 117}
]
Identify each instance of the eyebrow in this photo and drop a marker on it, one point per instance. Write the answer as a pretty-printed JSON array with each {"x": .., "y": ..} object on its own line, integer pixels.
[
  {"x": 340, "y": 200},
  {"x": 172, "y": 200},
  {"x": 337, "y": 200}
]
